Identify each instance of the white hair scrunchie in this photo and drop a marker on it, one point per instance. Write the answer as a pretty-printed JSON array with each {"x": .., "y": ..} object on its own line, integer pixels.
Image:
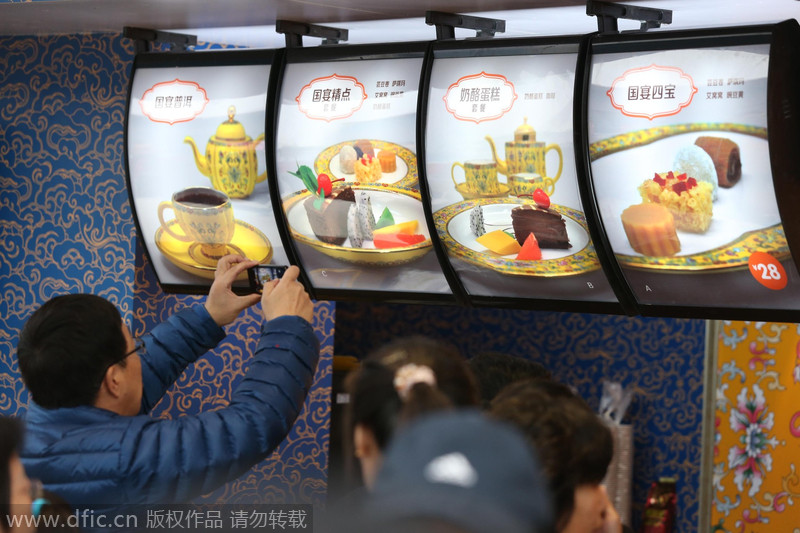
[{"x": 409, "y": 375}]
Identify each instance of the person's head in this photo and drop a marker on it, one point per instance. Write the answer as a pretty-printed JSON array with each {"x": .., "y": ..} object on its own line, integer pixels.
[
  {"x": 398, "y": 382},
  {"x": 574, "y": 446},
  {"x": 75, "y": 350},
  {"x": 459, "y": 471},
  {"x": 15, "y": 487},
  {"x": 57, "y": 515},
  {"x": 496, "y": 370}
]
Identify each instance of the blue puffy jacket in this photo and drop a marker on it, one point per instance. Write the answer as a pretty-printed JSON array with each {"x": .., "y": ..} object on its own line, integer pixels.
[{"x": 96, "y": 458}]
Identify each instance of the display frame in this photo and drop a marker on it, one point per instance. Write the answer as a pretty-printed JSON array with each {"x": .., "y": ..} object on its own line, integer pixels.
[
  {"x": 783, "y": 135},
  {"x": 508, "y": 47},
  {"x": 192, "y": 59},
  {"x": 332, "y": 53}
]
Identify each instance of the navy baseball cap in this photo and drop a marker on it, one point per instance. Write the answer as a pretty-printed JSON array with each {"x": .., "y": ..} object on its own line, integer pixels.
[{"x": 462, "y": 468}]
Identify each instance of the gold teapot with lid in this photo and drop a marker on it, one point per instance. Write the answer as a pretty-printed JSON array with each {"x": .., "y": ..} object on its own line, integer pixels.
[
  {"x": 230, "y": 160},
  {"x": 524, "y": 155}
]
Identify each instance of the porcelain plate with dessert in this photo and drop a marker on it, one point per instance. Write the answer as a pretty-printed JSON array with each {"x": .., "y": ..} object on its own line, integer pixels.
[
  {"x": 405, "y": 174},
  {"x": 745, "y": 216},
  {"x": 404, "y": 204},
  {"x": 453, "y": 225}
]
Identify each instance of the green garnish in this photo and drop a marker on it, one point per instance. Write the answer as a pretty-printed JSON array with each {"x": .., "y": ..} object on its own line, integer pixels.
[
  {"x": 320, "y": 200},
  {"x": 307, "y": 175},
  {"x": 310, "y": 181},
  {"x": 386, "y": 219}
]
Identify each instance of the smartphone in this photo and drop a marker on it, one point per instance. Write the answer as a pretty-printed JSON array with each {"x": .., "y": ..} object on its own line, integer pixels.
[{"x": 260, "y": 274}]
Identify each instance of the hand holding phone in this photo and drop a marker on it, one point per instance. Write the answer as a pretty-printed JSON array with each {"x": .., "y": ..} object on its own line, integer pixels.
[
  {"x": 261, "y": 274},
  {"x": 287, "y": 297}
]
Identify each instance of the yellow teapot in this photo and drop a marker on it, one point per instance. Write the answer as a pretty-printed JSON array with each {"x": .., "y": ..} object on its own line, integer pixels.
[
  {"x": 526, "y": 156},
  {"x": 230, "y": 161}
]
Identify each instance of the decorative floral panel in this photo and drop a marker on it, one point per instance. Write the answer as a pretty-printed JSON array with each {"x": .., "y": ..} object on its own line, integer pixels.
[{"x": 757, "y": 438}]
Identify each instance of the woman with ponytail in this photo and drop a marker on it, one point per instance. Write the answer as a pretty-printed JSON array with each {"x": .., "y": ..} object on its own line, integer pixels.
[{"x": 395, "y": 384}]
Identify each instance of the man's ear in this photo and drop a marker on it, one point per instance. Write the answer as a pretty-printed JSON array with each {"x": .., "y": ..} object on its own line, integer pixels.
[{"x": 112, "y": 381}]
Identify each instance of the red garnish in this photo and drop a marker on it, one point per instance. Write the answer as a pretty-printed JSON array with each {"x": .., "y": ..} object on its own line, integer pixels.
[
  {"x": 679, "y": 187},
  {"x": 396, "y": 240},
  {"x": 682, "y": 177},
  {"x": 530, "y": 250},
  {"x": 541, "y": 198},
  {"x": 691, "y": 182},
  {"x": 661, "y": 181},
  {"x": 670, "y": 175},
  {"x": 326, "y": 184},
  {"x": 411, "y": 238}
]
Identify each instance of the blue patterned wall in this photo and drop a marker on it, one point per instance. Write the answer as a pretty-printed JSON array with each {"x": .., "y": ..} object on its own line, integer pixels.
[
  {"x": 660, "y": 358},
  {"x": 66, "y": 226}
]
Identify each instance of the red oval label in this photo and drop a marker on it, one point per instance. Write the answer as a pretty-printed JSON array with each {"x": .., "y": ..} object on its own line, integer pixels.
[{"x": 767, "y": 271}]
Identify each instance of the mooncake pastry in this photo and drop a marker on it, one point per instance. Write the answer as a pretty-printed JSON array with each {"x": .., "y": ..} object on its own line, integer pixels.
[
  {"x": 388, "y": 160},
  {"x": 650, "y": 229}
]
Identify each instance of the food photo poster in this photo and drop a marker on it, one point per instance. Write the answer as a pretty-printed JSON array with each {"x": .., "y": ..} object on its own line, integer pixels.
[
  {"x": 681, "y": 172},
  {"x": 500, "y": 167},
  {"x": 197, "y": 168},
  {"x": 348, "y": 175}
]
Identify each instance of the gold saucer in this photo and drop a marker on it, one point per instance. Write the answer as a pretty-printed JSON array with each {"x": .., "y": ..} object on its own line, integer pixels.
[
  {"x": 247, "y": 241},
  {"x": 503, "y": 191}
]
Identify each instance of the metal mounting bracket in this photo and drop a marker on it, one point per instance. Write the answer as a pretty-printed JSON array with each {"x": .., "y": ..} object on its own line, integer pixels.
[
  {"x": 609, "y": 13},
  {"x": 144, "y": 39},
  {"x": 446, "y": 24},
  {"x": 294, "y": 32}
]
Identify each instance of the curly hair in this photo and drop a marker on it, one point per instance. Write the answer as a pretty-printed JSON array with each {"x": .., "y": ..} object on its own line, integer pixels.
[{"x": 574, "y": 445}]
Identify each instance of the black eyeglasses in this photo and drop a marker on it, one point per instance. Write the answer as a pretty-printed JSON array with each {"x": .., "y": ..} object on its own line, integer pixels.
[{"x": 139, "y": 345}]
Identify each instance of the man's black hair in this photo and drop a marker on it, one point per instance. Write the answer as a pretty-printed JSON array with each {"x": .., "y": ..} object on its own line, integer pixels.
[{"x": 65, "y": 348}]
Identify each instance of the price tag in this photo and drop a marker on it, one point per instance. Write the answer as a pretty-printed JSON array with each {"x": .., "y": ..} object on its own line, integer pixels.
[{"x": 767, "y": 271}]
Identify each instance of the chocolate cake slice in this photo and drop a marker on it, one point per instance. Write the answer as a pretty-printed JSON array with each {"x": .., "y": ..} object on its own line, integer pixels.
[
  {"x": 547, "y": 226},
  {"x": 329, "y": 224}
]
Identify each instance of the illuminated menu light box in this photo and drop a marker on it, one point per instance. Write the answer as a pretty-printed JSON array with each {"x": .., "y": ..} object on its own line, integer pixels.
[
  {"x": 501, "y": 176},
  {"x": 689, "y": 137},
  {"x": 196, "y": 163},
  {"x": 347, "y": 173}
]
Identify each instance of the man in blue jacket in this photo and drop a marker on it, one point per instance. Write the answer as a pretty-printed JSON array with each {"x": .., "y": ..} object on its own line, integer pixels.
[{"x": 89, "y": 438}]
